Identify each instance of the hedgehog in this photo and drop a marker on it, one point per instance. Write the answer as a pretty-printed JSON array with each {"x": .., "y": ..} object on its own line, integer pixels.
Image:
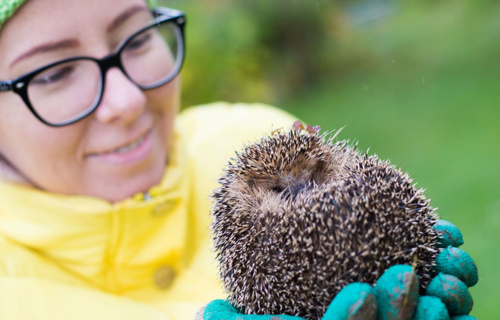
[{"x": 298, "y": 215}]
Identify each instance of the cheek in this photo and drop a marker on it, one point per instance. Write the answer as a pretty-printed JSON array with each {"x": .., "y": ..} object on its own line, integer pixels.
[
  {"x": 34, "y": 148},
  {"x": 42, "y": 148},
  {"x": 164, "y": 102},
  {"x": 166, "y": 97},
  {"x": 13, "y": 112}
]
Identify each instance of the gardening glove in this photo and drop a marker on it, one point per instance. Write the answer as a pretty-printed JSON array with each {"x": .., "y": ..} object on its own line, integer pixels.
[
  {"x": 395, "y": 295},
  {"x": 355, "y": 301},
  {"x": 456, "y": 272},
  {"x": 223, "y": 310},
  {"x": 396, "y": 290}
]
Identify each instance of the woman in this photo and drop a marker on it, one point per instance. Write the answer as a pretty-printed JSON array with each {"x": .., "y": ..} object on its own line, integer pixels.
[{"x": 103, "y": 192}]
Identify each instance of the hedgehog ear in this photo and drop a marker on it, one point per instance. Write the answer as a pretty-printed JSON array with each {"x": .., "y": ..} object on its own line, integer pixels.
[{"x": 297, "y": 126}]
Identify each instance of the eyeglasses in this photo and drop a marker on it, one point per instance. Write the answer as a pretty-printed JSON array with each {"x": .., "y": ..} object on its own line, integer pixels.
[{"x": 64, "y": 92}]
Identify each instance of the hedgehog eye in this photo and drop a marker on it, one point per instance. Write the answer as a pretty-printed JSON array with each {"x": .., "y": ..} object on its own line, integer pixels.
[
  {"x": 291, "y": 191},
  {"x": 278, "y": 189}
]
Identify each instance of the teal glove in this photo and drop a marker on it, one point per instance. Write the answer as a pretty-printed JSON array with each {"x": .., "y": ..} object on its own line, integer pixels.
[
  {"x": 222, "y": 310},
  {"x": 395, "y": 295},
  {"x": 456, "y": 272},
  {"x": 356, "y": 301}
]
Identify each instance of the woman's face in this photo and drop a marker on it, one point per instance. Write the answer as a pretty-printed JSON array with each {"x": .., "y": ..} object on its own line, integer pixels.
[{"x": 120, "y": 149}]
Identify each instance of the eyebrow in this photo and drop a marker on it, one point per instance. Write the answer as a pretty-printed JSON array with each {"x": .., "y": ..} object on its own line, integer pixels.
[
  {"x": 72, "y": 43},
  {"x": 63, "y": 44},
  {"x": 124, "y": 16}
]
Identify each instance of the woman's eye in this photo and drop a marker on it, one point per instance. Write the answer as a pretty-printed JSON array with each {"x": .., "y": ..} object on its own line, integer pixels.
[
  {"x": 53, "y": 75},
  {"x": 139, "y": 41}
]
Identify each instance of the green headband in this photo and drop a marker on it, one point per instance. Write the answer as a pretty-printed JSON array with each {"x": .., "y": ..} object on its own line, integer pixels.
[{"x": 9, "y": 7}]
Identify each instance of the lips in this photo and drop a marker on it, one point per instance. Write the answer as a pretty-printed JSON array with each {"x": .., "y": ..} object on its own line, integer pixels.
[
  {"x": 127, "y": 153},
  {"x": 129, "y": 146},
  {"x": 122, "y": 148}
]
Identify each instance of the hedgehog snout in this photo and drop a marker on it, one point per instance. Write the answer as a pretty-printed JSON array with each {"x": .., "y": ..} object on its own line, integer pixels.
[{"x": 289, "y": 187}]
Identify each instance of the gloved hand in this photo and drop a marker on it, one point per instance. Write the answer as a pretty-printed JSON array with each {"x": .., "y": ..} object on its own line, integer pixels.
[
  {"x": 395, "y": 295},
  {"x": 223, "y": 310},
  {"x": 456, "y": 272},
  {"x": 396, "y": 290}
]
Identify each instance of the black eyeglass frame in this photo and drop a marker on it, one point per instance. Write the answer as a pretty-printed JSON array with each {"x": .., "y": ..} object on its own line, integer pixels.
[{"x": 161, "y": 15}]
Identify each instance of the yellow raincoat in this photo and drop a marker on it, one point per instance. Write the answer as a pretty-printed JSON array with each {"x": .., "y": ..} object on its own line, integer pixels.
[{"x": 147, "y": 257}]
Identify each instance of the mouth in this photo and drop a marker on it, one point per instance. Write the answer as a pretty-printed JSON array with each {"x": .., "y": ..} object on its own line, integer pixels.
[
  {"x": 128, "y": 153},
  {"x": 129, "y": 147}
]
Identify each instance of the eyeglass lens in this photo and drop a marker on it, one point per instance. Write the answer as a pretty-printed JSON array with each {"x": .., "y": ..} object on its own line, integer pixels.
[
  {"x": 69, "y": 90},
  {"x": 150, "y": 57}
]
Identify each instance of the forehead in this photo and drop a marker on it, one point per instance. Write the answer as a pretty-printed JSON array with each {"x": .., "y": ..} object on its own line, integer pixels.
[{"x": 40, "y": 21}]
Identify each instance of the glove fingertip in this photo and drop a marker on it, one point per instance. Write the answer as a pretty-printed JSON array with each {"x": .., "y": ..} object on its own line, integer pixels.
[
  {"x": 463, "y": 317},
  {"x": 453, "y": 292},
  {"x": 431, "y": 308},
  {"x": 458, "y": 263},
  {"x": 396, "y": 292},
  {"x": 354, "y": 301},
  {"x": 448, "y": 234},
  {"x": 219, "y": 309}
]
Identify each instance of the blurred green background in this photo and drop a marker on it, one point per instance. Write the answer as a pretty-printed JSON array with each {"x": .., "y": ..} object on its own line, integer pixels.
[{"x": 417, "y": 82}]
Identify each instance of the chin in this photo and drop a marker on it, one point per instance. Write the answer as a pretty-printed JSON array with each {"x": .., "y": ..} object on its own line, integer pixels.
[
  {"x": 130, "y": 189},
  {"x": 136, "y": 185},
  {"x": 118, "y": 187}
]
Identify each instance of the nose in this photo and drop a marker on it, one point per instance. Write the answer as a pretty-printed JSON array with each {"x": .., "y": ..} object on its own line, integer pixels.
[{"x": 122, "y": 101}]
